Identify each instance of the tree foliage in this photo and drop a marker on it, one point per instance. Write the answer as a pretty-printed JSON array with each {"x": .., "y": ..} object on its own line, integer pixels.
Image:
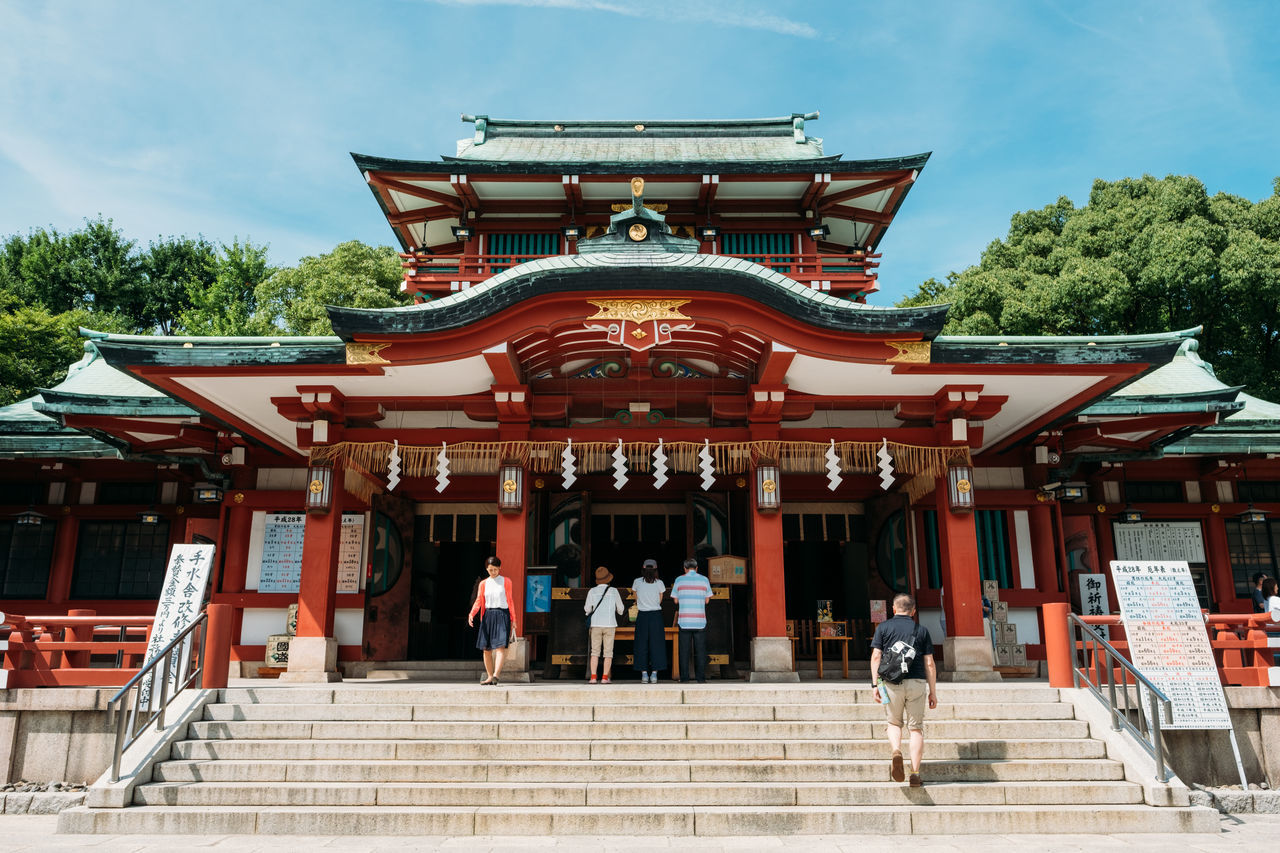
[
  {"x": 353, "y": 275},
  {"x": 52, "y": 283},
  {"x": 1143, "y": 255}
]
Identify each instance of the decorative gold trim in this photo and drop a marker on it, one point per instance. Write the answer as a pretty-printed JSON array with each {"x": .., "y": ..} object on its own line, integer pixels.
[
  {"x": 656, "y": 207},
  {"x": 637, "y": 184},
  {"x": 637, "y": 232},
  {"x": 560, "y": 593},
  {"x": 639, "y": 310},
  {"x": 910, "y": 352},
  {"x": 366, "y": 353}
]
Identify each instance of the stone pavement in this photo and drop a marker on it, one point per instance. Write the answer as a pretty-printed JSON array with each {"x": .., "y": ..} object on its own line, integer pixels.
[{"x": 35, "y": 834}]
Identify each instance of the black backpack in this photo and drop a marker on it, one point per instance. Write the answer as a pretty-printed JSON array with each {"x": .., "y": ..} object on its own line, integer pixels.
[{"x": 896, "y": 660}]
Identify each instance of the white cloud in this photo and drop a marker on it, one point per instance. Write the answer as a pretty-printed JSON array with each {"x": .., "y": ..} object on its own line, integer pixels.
[{"x": 729, "y": 14}]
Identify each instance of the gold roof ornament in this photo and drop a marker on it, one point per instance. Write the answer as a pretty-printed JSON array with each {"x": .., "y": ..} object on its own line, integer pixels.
[
  {"x": 637, "y": 187},
  {"x": 639, "y": 310}
]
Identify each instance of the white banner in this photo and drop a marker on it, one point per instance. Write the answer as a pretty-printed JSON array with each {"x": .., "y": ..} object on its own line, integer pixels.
[
  {"x": 1168, "y": 642},
  {"x": 181, "y": 599},
  {"x": 1159, "y": 540}
]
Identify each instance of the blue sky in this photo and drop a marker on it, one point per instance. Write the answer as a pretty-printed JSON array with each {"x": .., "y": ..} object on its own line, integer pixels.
[{"x": 235, "y": 119}]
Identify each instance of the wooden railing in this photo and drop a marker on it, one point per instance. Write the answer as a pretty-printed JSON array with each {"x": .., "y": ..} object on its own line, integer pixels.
[
  {"x": 1245, "y": 654},
  {"x": 80, "y": 649},
  {"x": 840, "y": 274}
]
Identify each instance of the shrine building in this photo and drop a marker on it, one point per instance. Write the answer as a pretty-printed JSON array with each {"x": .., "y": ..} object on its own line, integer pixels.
[{"x": 634, "y": 339}]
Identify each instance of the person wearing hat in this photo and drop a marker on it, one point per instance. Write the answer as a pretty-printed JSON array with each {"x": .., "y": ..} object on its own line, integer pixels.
[
  {"x": 604, "y": 606},
  {"x": 650, "y": 645}
]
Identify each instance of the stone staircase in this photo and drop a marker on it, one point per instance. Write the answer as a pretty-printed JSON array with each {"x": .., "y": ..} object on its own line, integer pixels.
[{"x": 548, "y": 758}]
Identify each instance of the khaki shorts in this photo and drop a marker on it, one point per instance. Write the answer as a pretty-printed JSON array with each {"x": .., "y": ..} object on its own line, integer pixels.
[
  {"x": 906, "y": 701},
  {"x": 602, "y": 642}
]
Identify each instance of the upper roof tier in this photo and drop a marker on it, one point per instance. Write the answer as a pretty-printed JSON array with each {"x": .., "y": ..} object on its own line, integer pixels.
[{"x": 641, "y": 141}]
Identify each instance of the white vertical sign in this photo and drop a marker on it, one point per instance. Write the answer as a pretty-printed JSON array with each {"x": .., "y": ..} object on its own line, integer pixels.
[{"x": 181, "y": 599}]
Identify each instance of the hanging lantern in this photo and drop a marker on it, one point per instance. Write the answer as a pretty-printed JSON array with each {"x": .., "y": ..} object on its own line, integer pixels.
[
  {"x": 768, "y": 493},
  {"x": 960, "y": 488},
  {"x": 1253, "y": 515},
  {"x": 1130, "y": 515},
  {"x": 319, "y": 488},
  {"x": 511, "y": 488}
]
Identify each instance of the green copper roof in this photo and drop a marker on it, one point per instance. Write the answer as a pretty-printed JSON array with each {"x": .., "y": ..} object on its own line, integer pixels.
[
  {"x": 640, "y": 140},
  {"x": 26, "y": 433}
]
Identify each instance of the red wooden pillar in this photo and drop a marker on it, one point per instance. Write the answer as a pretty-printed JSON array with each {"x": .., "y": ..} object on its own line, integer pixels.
[
  {"x": 1218, "y": 555},
  {"x": 512, "y": 549},
  {"x": 768, "y": 586},
  {"x": 961, "y": 575},
  {"x": 316, "y": 593},
  {"x": 61, "y": 568},
  {"x": 1044, "y": 549}
]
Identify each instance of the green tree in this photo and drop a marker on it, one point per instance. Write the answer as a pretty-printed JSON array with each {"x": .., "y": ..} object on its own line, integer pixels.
[
  {"x": 1144, "y": 255},
  {"x": 94, "y": 268},
  {"x": 37, "y": 347},
  {"x": 227, "y": 305},
  {"x": 353, "y": 275},
  {"x": 173, "y": 269}
]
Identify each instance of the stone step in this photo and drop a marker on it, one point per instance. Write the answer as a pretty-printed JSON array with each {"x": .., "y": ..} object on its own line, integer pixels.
[
  {"x": 537, "y": 712},
  {"x": 652, "y": 820},
  {"x": 628, "y": 731},
  {"x": 637, "y": 794},
  {"x": 393, "y": 693},
  {"x": 377, "y": 771}
]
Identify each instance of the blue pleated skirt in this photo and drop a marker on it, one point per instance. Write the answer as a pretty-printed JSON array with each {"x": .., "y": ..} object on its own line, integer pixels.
[{"x": 495, "y": 629}]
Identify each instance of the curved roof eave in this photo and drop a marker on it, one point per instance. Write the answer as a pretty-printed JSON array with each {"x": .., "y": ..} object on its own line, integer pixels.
[
  {"x": 690, "y": 273},
  {"x": 369, "y": 163}
]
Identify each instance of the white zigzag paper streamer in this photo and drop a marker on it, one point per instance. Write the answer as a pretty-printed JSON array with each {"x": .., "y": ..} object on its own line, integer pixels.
[
  {"x": 659, "y": 466},
  {"x": 833, "y": 467},
  {"x": 886, "y": 464},
  {"x": 567, "y": 467},
  {"x": 619, "y": 467},
  {"x": 707, "y": 464},
  {"x": 393, "y": 466},
  {"x": 442, "y": 467}
]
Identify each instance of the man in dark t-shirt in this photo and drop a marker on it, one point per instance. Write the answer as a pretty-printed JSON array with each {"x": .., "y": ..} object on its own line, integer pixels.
[{"x": 903, "y": 639}]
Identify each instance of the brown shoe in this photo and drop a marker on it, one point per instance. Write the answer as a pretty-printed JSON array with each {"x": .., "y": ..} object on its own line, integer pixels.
[
  {"x": 895, "y": 768},
  {"x": 915, "y": 781}
]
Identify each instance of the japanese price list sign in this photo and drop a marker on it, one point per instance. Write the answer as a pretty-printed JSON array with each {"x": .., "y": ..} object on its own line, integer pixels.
[
  {"x": 181, "y": 599},
  {"x": 1168, "y": 642},
  {"x": 282, "y": 541}
]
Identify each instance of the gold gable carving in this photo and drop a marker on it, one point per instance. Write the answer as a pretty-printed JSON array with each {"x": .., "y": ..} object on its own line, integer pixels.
[
  {"x": 656, "y": 208},
  {"x": 366, "y": 353},
  {"x": 639, "y": 310},
  {"x": 910, "y": 352}
]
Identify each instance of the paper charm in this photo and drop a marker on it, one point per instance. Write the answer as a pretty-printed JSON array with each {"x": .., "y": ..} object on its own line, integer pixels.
[
  {"x": 886, "y": 464},
  {"x": 659, "y": 466},
  {"x": 833, "y": 467},
  {"x": 567, "y": 467},
  {"x": 619, "y": 467},
  {"x": 393, "y": 466},
  {"x": 707, "y": 464},
  {"x": 442, "y": 467}
]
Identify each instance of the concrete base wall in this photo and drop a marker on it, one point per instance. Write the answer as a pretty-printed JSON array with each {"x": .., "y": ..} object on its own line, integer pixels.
[
  {"x": 1205, "y": 758},
  {"x": 55, "y": 734}
]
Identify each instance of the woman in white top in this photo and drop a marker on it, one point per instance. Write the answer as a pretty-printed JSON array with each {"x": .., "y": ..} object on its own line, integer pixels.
[
  {"x": 604, "y": 605},
  {"x": 498, "y": 627},
  {"x": 650, "y": 646},
  {"x": 1269, "y": 590}
]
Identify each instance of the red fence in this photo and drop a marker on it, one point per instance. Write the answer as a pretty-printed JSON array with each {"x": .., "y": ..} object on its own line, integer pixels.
[
  {"x": 80, "y": 649},
  {"x": 1245, "y": 654}
]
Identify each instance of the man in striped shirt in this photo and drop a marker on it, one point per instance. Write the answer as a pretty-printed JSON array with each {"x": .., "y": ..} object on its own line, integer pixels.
[{"x": 691, "y": 592}]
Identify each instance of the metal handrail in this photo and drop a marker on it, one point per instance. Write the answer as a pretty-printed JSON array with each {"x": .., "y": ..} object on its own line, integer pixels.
[
  {"x": 1101, "y": 657},
  {"x": 132, "y": 722}
]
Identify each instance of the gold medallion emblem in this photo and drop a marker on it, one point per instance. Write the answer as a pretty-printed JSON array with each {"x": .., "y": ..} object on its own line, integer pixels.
[
  {"x": 638, "y": 232},
  {"x": 769, "y": 487},
  {"x": 508, "y": 486},
  {"x": 316, "y": 487},
  {"x": 963, "y": 486}
]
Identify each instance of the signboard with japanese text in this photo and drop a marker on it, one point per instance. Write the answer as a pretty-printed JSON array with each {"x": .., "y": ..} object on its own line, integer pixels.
[
  {"x": 282, "y": 540},
  {"x": 1159, "y": 540},
  {"x": 181, "y": 599},
  {"x": 1094, "y": 598},
  {"x": 1168, "y": 642}
]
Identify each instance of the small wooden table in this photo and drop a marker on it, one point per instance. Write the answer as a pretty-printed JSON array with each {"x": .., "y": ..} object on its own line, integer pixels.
[
  {"x": 671, "y": 633},
  {"x": 818, "y": 640}
]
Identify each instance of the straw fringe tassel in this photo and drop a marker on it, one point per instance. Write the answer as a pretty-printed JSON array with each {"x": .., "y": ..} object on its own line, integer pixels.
[{"x": 793, "y": 457}]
